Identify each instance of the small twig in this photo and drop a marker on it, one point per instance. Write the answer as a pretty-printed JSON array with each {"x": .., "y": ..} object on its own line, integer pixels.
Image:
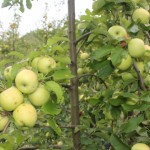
[
  {"x": 82, "y": 37},
  {"x": 6, "y": 126},
  {"x": 78, "y": 50},
  {"x": 66, "y": 85},
  {"x": 88, "y": 74},
  {"x": 141, "y": 80}
]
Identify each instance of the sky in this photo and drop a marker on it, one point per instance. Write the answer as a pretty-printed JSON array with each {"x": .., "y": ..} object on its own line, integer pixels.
[{"x": 31, "y": 18}]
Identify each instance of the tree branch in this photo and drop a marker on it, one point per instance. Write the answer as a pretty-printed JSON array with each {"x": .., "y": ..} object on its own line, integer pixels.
[
  {"x": 141, "y": 81},
  {"x": 88, "y": 74}
]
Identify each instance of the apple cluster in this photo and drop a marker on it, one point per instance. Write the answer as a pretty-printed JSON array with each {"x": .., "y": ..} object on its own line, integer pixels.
[
  {"x": 26, "y": 93},
  {"x": 136, "y": 48}
]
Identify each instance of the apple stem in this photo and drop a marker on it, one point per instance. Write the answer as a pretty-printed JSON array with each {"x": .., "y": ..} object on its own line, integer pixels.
[{"x": 6, "y": 126}]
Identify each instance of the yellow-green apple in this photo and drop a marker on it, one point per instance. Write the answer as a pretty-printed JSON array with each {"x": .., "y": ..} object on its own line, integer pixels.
[
  {"x": 84, "y": 55},
  {"x": 40, "y": 96},
  {"x": 136, "y": 47},
  {"x": 140, "y": 66},
  {"x": 147, "y": 51},
  {"x": 7, "y": 73},
  {"x": 25, "y": 115},
  {"x": 60, "y": 143},
  {"x": 140, "y": 146},
  {"x": 135, "y": 1},
  {"x": 3, "y": 121},
  {"x": 34, "y": 62},
  {"x": 142, "y": 15},
  {"x": 11, "y": 98},
  {"x": 26, "y": 81},
  {"x": 80, "y": 71},
  {"x": 117, "y": 32},
  {"x": 126, "y": 76},
  {"x": 46, "y": 64},
  {"x": 126, "y": 62}
]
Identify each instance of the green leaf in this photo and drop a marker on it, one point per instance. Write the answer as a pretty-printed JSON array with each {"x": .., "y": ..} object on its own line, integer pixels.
[
  {"x": 28, "y": 4},
  {"x": 56, "y": 39},
  {"x": 116, "y": 55},
  {"x": 117, "y": 143},
  {"x": 105, "y": 69},
  {"x": 54, "y": 126},
  {"x": 56, "y": 89},
  {"x": 16, "y": 54},
  {"x": 63, "y": 59},
  {"x": 62, "y": 74},
  {"x": 101, "y": 52},
  {"x": 132, "y": 124},
  {"x": 51, "y": 108}
]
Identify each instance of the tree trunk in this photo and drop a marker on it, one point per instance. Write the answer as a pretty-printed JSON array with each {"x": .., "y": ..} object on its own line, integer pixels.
[{"x": 74, "y": 81}]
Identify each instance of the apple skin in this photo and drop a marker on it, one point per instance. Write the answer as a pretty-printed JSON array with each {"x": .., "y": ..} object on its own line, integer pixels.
[
  {"x": 34, "y": 62},
  {"x": 25, "y": 115},
  {"x": 80, "y": 71},
  {"x": 46, "y": 64},
  {"x": 126, "y": 76},
  {"x": 3, "y": 121},
  {"x": 39, "y": 97},
  {"x": 117, "y": 32},
  {"x": 84, "y": 55},
  {"x": 125, "y": 63},
  {"x": 26, "y": 81},
  {"x": 11, "y": 98},
  {"x": 136, "y": 47},
  {"x": 140, "y": 146},
  {"x": 7, "y": 73},
  {"x": 141, "y": 14},
  {"x": 140, "y": 66},
  {"x": 147, "y": 51}
]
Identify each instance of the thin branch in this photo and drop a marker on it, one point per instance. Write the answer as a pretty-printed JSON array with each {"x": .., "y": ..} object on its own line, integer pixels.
[
  {"x": 82, "y": 37},
  {"x": 141, "y": 80},
  {"x": 88, "y": 74},
  {"x": 78, "y": 50}
]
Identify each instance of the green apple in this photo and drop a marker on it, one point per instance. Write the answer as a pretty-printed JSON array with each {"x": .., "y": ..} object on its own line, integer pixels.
[
  {"x": 7, "y": 73},
  {"x": 34, "y": 62},
  {"x": 126, "y": 76},
  {"x": 3, "y": 121},
  {"x": 60, "y": 143},
  {"x": 117, "y": 32},
  {"x": 142, "y": 15},
  {"x": 126, "y": 62},
  {"x": 40, "y": 96},
  {"x": 46, "y": 64},
  {"x": 140, "y": 66},
  {"x": 140, "y": 146},
  {"x": 80, "y": 71},
  {"x": 11, "y": 98},
  {"x": 84, "y": 55},
  {"x": 26, "y": 81},
  {"x": 135, "y": 1},
  {"x": 25, "y": 115},
  {"x": 147, "y": 50},
  {"x": 136, "y": 47}
]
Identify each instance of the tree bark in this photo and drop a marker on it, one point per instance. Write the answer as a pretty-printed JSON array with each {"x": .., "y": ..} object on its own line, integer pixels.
[{"x": 74, "y": 99}]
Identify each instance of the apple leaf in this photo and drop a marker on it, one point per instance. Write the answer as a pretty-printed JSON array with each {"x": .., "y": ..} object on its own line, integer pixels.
[
  {"x": 54, "y": 87},
  {"x": 117, "y": 143},
  {"x": 16, "y": 54},
  {"x": 51, "y": 108},
  {"x": 62, "y": 74},
  {"x": 63, "y": 59},
  {"x": 132, "y": 124},
  {"x": 101, "y": 52},
  {"x": 54, "y": 126},
  {"x": 28, "y": 4}
]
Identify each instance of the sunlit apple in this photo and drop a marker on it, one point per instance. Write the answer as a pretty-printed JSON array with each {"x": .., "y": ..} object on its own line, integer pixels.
[
  {"x": 3, "y": 121},
  {"x": 140, "y": 66},
  {"x": 46, "y": 64},
  {"x": 34, "y": 62},
  {"x": 25, "y": 115},
  {"x": 126, "y": 62},
  {"x": 142, "y": 15},
  {"x": 11, "y": 98},
  {"x": 136, "y": 47},
  {"x": 7, "y": 73},
  {"x": 26, "y": 81},
  {"x": 117, "y": 32},
  {"x": 84, "y": 55},
  {"x": 39, "y": 97},
  {"x": 140, "y": 146}
]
